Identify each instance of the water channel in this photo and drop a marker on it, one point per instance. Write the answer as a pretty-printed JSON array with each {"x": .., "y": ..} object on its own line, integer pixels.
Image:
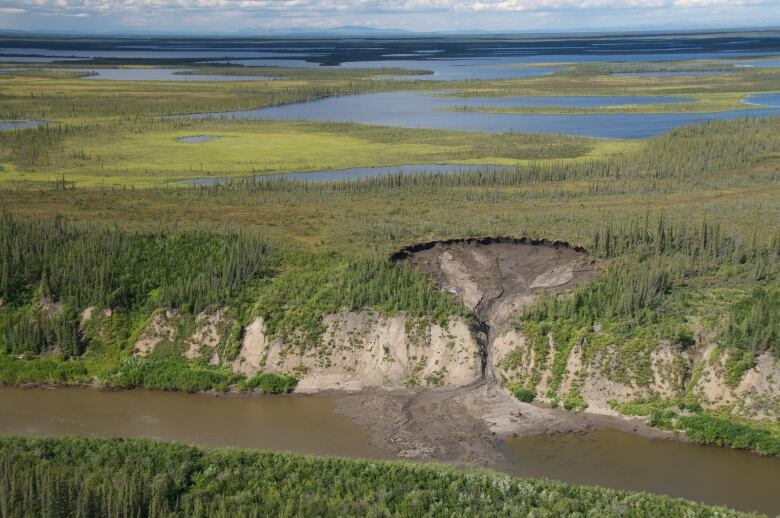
[{"x": 307, "y": 424}]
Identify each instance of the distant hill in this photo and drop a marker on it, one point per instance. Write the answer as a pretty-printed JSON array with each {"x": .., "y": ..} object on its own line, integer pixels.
[{"x": 344, "y": 30}]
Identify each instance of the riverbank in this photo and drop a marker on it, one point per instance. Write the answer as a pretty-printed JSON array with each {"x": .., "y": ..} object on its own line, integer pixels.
[{"x": 466, "y": 426}]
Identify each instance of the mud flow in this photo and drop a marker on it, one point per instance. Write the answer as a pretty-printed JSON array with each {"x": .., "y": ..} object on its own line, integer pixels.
[{"x": 497, "y": 277}]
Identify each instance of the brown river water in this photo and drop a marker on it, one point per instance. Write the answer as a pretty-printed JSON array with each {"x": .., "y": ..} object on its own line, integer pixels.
[{"x": 304, "y": 424}]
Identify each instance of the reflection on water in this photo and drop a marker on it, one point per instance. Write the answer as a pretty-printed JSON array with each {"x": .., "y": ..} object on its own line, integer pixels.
[
  {"x": 195, "y": 139},
  {"x": 418, "y": 110},
  {"x": 619, "y": 460},
  {"x": 356, "y": 173},
  {"x": 294, "y": 423},
  {"x": 5, "y": 125}
]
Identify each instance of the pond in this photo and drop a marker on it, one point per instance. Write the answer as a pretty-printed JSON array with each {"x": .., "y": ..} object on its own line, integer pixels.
[
  {"x": 418, "y": 110},
  {"x": 6, "y": 125},
  {"x": 356, "y": 173},
  {"x": 307, "y": 424},
  {"x": 196, "y": 139}
]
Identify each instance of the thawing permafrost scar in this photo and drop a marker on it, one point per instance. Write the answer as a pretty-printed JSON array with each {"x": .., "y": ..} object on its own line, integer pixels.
[{"x": 497, "y": 276}]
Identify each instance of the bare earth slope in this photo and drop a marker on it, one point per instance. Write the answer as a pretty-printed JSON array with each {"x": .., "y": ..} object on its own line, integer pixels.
[{"x": 495, "y": 277}]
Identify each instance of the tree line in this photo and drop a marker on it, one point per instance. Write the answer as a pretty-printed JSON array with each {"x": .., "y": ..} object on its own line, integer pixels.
[{"x": 141, "y": 478}]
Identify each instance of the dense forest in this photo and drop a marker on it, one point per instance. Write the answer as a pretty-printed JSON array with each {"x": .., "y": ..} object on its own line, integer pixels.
[
  {"x": 654, "y": 264},
  {"x": 141, "y": 478}
]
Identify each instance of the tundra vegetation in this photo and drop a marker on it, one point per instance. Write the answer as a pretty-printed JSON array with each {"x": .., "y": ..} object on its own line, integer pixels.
[{"x": 97, "y": 238}]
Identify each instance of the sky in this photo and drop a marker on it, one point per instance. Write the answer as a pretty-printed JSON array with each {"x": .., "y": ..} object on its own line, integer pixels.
[{"x": 227, "y": 16}]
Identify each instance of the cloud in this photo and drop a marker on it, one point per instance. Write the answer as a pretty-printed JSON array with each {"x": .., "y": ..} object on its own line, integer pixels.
[
  {"x": 377, "y": 6},
  {"x": 410, "y": 14}
]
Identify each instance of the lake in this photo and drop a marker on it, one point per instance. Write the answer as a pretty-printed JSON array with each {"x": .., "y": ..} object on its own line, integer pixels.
[
  {"x": 509, "y": 62},
  {"x": 419, "y": 110},
  {"x": 767, "y": 99},
  {"x": 497, "y": 67}
]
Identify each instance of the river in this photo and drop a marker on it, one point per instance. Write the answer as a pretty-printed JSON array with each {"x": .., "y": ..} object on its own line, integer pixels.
[{"x": 307, "y": 424}]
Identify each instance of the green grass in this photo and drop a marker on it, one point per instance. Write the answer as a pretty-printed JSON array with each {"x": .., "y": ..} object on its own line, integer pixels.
[
  {"x": 270, "y": 383},
  {"x": 597, "y": 79},
  {"x": 143, "y": 154},
  {"x": 66, "y": 98},
  {"x": 699, "y": 103},
  {"x": 524, "y": 394}
]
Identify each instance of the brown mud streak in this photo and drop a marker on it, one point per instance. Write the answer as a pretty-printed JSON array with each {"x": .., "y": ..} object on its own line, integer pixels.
[{"x": 494, "y": 277}]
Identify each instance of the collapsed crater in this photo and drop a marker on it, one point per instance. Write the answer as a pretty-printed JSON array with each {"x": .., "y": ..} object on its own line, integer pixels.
[{"x": 497, "y": 276}]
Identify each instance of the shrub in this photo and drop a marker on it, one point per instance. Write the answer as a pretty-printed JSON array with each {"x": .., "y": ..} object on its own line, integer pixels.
[
  {"x": 721, "y": 431},
  {"x": 269, "y": 383},
  {"x": 573, "y": 400},
  {"x": 524, "y": 394},
  {"x": 168, "y": 374},
  {"x": 50, "y": 371}
]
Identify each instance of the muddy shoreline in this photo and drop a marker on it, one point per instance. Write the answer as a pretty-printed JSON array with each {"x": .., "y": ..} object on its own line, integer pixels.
[{"x": 467, "y": 425}]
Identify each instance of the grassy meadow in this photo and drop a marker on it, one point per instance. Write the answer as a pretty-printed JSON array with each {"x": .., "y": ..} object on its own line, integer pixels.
[
  {"x": 147, "y": 153},
  {"x": 722, "y": 91}
]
